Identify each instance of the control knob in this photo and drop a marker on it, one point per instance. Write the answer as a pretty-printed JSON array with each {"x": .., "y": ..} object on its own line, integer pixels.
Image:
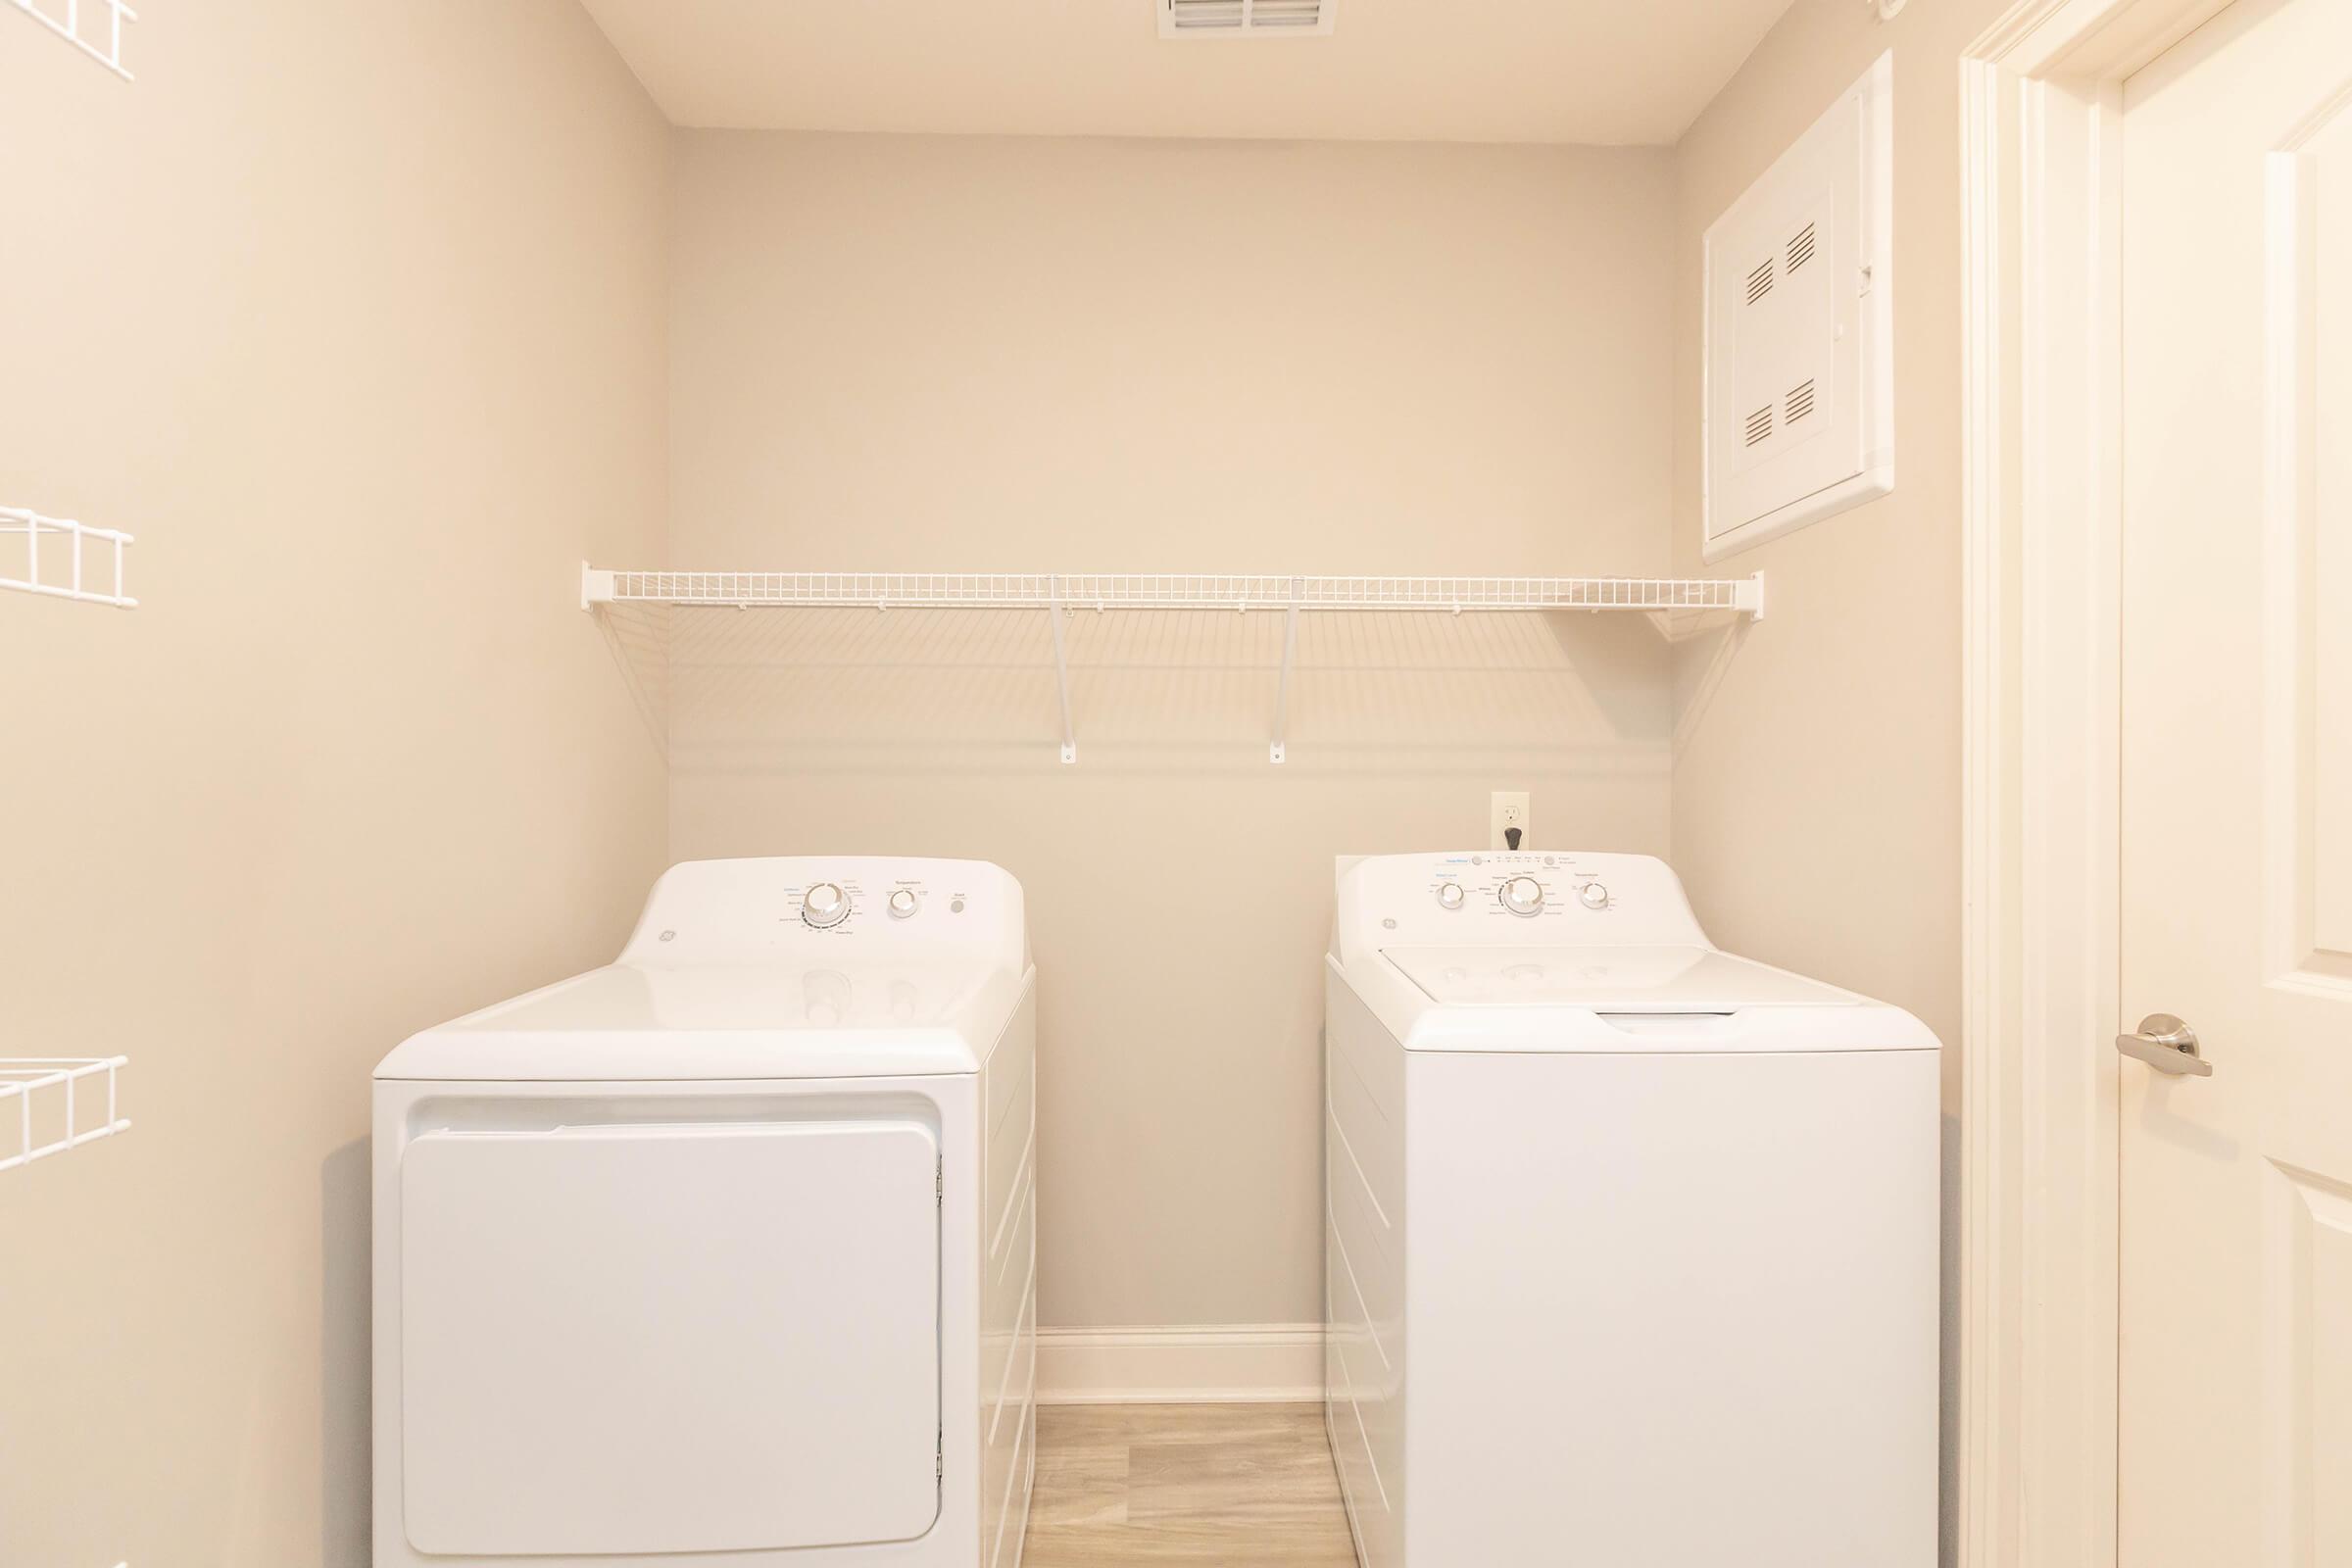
[
  {"x": 1595, "y": 896},
  {"x": 1449, "y": 895},
  {"x": 824, "y": 904},
  {"x": 902, "y": 903},
  {"x": 1523, "y": 894}
]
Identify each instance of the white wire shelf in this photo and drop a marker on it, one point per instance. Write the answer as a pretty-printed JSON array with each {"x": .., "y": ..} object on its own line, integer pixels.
[
  {"x": 79, "y": 562},
  {"x": 63, "y": 18},
  {"x": 1109, "y": 591},
  {"x": 49, "y": 1105},
  {"x": 1667, "y": 601}
]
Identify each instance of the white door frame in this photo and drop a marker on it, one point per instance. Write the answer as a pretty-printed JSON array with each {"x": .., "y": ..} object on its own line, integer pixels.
[{"x": 2040, "y": 144}]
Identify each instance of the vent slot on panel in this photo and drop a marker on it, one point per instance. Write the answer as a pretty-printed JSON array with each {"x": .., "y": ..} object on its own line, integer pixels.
[
  {"x": 1800, "y": 249},
  {"x": 1798, "y": 404},
  {"x": 1759, "y": 425},
  {"x": 1286, "y": 13},
  {"x": 1759, "y": 281},
  {"x": 1229, "y": 19}
]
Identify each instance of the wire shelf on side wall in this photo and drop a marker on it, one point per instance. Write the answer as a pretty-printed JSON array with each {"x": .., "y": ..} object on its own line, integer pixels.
[
  {"x": 49, "y": 1105},
  {"x": 64, "y": 18},
  {"x": 61, "y": 558},
  {"x": 1669, "y": 602}
]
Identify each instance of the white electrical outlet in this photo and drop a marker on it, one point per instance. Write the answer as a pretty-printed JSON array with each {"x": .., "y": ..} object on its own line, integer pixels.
[{"x": 1510, "y": 811}]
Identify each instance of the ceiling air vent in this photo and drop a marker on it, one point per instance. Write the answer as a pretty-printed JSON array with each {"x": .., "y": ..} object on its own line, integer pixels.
[{"x": 1246, "y": 19}]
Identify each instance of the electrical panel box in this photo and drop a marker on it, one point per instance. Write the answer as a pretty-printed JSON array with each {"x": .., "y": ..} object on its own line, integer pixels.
[{"x": 1800, "y": 401}]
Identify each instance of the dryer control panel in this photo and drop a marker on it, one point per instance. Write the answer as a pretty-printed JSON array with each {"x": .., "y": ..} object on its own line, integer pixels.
[
  {"x": 833, "y": 907},
  {"x": 1523, "y": 897}
]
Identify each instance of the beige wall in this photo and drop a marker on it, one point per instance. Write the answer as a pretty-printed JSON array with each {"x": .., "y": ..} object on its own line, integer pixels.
[
  {"x": 1817, "y": 770},
  {"x": 354, "y": 314},
  {"x": 1817, "y": 785},
  {"x": 921, "y": 354}
]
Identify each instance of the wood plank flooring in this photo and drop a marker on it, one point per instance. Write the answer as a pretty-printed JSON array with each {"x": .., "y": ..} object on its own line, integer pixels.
[{"x": 1141, "y": 1486}]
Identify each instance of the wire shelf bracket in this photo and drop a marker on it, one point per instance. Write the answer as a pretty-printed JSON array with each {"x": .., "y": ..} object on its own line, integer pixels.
[
  {"x": 67, "y": 26},
  {"x": 1281, "y": 682},
  {"x": 1671, "y": 603},
  {"x": 47, "y": 1101},
  {"x": 104, "y": 586},
  {"x": 1062, "y": 671}
]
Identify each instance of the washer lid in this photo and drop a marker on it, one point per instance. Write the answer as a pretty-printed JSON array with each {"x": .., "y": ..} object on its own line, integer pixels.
[
  {"x": 724, "y": 996},
  {"x": 712, "y": 1021},
  {"x": 1659, "y": 980}
]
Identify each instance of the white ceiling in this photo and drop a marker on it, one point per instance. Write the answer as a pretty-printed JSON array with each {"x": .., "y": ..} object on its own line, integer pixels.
[{"x": 1522, "y": 70}]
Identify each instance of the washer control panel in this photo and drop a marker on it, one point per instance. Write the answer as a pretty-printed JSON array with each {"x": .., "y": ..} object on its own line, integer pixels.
[
  {"x": 831, "y": 904},
  {"x": 759, "y": 911},
  {"x": 1514, "y": 898}
]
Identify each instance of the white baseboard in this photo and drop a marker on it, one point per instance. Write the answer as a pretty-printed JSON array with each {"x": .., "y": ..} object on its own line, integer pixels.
[{"x": 1201, "y": 1365}]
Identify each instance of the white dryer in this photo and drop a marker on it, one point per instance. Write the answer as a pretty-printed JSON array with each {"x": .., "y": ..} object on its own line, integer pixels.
[
  {"x": 726, "y": 1247},
  {"x": 1631, "y": 1245}
]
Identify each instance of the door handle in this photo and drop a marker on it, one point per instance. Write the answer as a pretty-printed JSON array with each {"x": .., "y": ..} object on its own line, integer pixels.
[{"x": 2166, "y": 1045}]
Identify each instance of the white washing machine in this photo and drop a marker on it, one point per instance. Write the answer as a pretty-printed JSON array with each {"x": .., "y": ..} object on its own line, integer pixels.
[
  {"x": 723, "y": 1251},
  {"x": 1631, "y": 1245}
]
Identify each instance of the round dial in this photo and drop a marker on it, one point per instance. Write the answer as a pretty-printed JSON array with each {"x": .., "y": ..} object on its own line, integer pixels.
[
  {"x": 1449, "y": 895},
  {"x": 902, "y": 903},
  {"x": 1595, "y": 896},
  {"x": 826, "y": 905},
  {"x": 1523, "y": 894}
]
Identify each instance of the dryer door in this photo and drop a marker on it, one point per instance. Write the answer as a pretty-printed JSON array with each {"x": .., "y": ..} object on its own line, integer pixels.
[{"x": 669, "y": 1339}]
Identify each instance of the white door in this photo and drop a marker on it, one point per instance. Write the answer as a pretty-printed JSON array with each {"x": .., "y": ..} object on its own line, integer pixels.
[
  {"x": 669, "y": 1339},
  {"x": 2235, "y": 1370}
]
